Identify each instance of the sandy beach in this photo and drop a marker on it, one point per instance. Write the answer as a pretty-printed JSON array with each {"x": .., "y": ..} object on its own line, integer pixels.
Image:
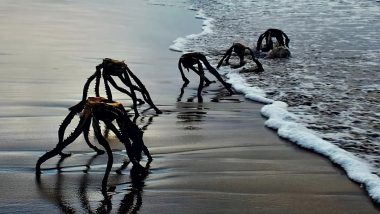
[{"x": 210, "y": 157}]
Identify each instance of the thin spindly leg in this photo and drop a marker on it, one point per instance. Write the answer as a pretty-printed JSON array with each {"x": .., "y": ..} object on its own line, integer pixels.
[
  {"x": 259, "y": 42},
  {"x": 87, "y": 85},
  {"x": 125, "y": 141},
  {"x": 216, "y": 74},
  {"x": 133, "y": 151},
  {"x": 269, "y": 43},
  {"x": 182, "y": 91},
  {"x": 59, "y": 163},
  {"x": 241, "y": 58},
  {"x": 258, "y": 64},
  {"x": 113, "y": 83},
  {"x": 226, "y": 85},
  {"x": 123, "y": 138},
  {"x": 132, "y": 95},
  {"x": 201, "y": 80},
  {"x": 107, "y": 87},
  {"x": 127, "y": 81},
  {"x": 144, "y": 92},
  {"x": 62, "y": 129},
  {"x": 89, "y": 162},
  {"x": 61, "y": 145},
  {"x": 287, "y": 40},
  {"x": 86, "y": 131},
  {"x": 130, "y": 130},
  {"x": 228, "y": 55},
  {"x": 97, "y": 85},
  {"x": 147, "y": 153},
  {"x": 104, "y": 143},
  {"x": 280, "y": 40},
  {"x": 182, "y": 74},
  {"x": 208, "y": 82}
]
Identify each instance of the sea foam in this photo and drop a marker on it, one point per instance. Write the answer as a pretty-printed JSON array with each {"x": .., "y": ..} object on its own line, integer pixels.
[
  {"x": 250, "y": 92},
  {"x": 288, "y": 127},
  {"x": 180, "y": 43}
]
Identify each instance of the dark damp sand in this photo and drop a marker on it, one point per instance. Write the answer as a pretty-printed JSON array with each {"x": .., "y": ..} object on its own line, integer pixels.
[{"x": 214, "y": 157}]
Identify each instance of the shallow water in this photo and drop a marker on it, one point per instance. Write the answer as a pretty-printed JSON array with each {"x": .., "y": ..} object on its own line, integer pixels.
[{"x": 331, "y": 82}]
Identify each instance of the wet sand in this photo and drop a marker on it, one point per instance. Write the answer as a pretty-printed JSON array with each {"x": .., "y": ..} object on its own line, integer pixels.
[{"x": 211, "y": 157}]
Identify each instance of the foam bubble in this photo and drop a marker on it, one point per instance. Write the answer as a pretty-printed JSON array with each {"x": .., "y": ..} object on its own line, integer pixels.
[
  {"x": 179, "y": 44},
  {"x": 192, "y": 7},
  {"x": 250, "y": 92}
]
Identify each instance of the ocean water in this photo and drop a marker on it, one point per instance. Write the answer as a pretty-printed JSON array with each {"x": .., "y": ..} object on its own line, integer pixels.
[{"x": 326, "y": 97}]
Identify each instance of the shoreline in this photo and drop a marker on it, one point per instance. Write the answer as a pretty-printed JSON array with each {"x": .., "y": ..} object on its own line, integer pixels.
[
  {"x": 211, "y": 157},
  {"x": 303, "y": 81},
  {"x": 285, "y": 124}
]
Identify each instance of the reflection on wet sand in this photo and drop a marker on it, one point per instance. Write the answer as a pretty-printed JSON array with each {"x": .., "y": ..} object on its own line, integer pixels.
[
  {"x": 130, "y": 203},
  {"x": 189, "y": 99},
  {"x": 190, "y": 112},
  {"x": 215, "y": 96},
  {"x": 145, "y": 121}
]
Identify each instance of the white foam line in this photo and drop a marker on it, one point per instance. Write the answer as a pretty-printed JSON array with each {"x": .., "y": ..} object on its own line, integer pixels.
[
  {"x": 280, "y": 119},
  {"x": 250, "y": 92},
  {"x": 357, "y": 169},
  {"x": 180, "y": 43}
]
